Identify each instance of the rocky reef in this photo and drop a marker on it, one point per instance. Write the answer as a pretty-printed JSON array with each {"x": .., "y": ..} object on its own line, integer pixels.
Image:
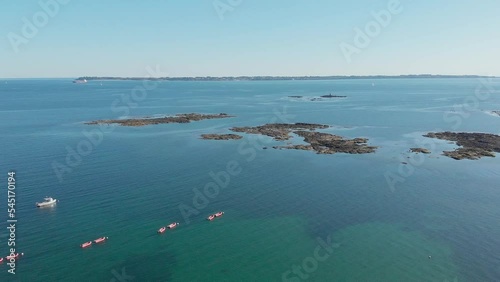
[
  {"x": 420, "y": 150},
  {"x": 325, "y": 143},
  {"x": 473, "y": 145},
  {"x": 279, "y": 131},
  {"x": 179, "y": 118},
  {"x": 221, "y": 136},
  {"x": 321, "y": 143},
  {"x": 333, "y": 96},
  {"x": 320, "y": 98}
]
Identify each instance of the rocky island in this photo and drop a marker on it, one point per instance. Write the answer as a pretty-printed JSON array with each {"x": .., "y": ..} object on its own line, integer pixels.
[
  {"x": 322, "y": 143},
  {"x": 332, "y": 96},
  {"x": 320, "y": 98},
  {"x": 179, "y": 118},
  {"x": 279, "y": 131},
  {"x": 473, "y": 145},
  {"x": 221, "y": 136},
  {"x": 325, "y": 143}
]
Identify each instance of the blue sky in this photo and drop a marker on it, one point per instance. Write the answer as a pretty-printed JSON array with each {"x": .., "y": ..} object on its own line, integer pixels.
[{"x": 253, "y": 37}]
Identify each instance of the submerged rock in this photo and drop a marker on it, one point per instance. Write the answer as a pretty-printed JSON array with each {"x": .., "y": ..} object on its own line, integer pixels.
[{"x": 420, "y": 150}]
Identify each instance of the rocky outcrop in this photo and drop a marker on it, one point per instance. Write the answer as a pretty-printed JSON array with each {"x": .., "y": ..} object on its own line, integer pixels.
[
  {"x": 180, "y": 118},
  {"x": 332, "y": 96},
  {"x": 320, "y": 98},
  {"x": 279, "y": 131},
  {"x": 221, "y": 136},
  {"x": 420, "y": 150},
  {"x": 473, "y": 145},
  {"x": 325, "y": 143},
  {"x": 468, "y": 153},
  {"x": 321, "y": 143}
]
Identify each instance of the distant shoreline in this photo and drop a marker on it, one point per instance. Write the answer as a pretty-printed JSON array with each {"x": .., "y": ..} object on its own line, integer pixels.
[{"x": 273, "y": 78}]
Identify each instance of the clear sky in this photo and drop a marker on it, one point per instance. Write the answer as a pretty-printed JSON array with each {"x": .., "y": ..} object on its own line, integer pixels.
[{"x": 252, "y": 37}]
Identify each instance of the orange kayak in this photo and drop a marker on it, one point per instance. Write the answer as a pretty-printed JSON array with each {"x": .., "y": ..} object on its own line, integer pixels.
[
  {"x": 16, "y": 256},
  {"x": 99, "y": 240},
  {"x": 172, "y": 225},
  {"x": 86, "y": 244}
]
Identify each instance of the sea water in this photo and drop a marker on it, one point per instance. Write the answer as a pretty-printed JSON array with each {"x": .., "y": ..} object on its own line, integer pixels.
[{"x": 289, "y": 215}]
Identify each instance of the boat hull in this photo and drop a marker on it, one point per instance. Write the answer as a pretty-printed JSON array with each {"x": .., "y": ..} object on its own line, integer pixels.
[
  {"x": 172, "y": 225},
  {"x": 16, "y": 256},
  {"x": 46, "y": 204},
  {"x": 100, "y": 240},
  {"x": 86, "y": 245}
]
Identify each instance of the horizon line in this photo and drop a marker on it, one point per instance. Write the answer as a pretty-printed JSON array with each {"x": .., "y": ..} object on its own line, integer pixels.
[{"x": 258, "y": 77}]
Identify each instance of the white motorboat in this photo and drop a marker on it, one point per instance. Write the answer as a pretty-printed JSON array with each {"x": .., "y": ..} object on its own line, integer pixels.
[{"x": 48, "y": 201}]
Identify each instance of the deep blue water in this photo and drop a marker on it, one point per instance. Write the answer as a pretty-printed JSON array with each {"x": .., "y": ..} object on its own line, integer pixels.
[{"x": 134, "y": 180}]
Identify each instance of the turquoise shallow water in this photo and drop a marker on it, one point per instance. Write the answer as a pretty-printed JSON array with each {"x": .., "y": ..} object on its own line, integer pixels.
[{"x": 278, "y": 207}]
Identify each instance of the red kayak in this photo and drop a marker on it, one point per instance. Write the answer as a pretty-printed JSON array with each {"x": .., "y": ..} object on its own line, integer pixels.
[
  {"x": 99, "y": 240},
  {"x": 161, "y": 230},
  {"x": 211, "y": 217},
  {"x": 172, "y": 225},
  {"x": 86, "y": 244},
  {"x": 16, "y": 256},
  {"x": 219, "y": 214}
]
